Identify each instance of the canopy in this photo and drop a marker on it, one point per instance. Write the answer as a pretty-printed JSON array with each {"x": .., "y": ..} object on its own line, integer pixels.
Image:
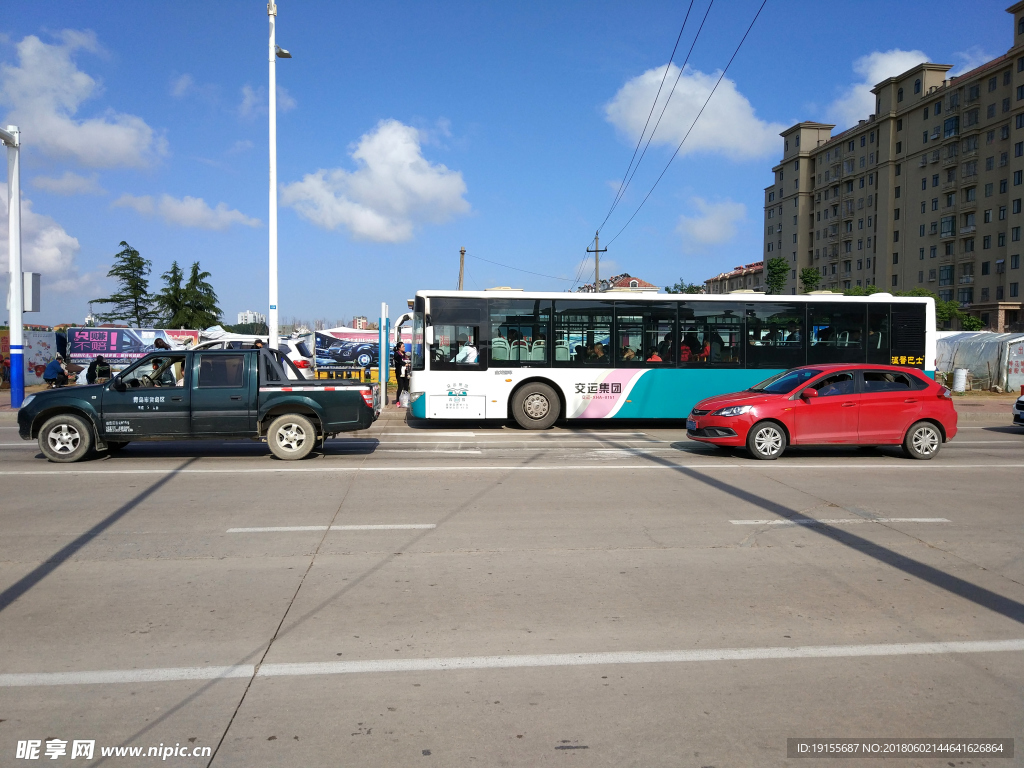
[{"x": 994, "y": 358}]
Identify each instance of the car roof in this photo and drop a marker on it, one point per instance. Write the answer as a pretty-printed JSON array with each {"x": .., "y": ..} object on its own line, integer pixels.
[{"x": 860, "y": 366}]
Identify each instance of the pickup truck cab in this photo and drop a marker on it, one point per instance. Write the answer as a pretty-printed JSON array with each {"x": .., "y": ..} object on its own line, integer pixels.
[{"x": 213, "y": 393}]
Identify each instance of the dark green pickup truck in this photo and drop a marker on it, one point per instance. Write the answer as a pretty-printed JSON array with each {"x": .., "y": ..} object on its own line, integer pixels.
[{"x": 221, "y": 394}]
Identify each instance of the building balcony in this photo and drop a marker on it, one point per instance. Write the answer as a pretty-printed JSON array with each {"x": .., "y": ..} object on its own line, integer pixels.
[
  {"x": 924, "y": 161},
  {"x": 949, "y": 186},
  {"x": 952, "y": 109},
  {"x": 950, "y": 161},
  {"x": 969, "y": 205},
  {"x": 966, "y": 279},
  {"x": 970, "y": 230},
  {"x": 969, "y": 155}
]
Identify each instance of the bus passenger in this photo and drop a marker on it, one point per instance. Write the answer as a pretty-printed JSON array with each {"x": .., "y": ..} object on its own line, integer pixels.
[
  {"x": 467, "y": 353},
  {"x": 654, "y": 358}
]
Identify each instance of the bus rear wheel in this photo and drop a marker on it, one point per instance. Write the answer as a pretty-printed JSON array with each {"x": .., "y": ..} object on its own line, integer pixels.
[{"x": 535, "y": 406}]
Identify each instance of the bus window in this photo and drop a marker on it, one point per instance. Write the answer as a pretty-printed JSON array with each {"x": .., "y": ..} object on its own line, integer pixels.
[
  {"x": 710, "y": 334},
  {"x": 878, "y": 334},
  {"x": 583, "y": 333},
  {"x": 776, "y": 335},
  {"x": 908, "y": 334},
  {"x": 456, "y": 324},
  {"x": 519, "y": 332},
  {"x": 645, "y": 333},
  {"x": 836, "y": 332}
]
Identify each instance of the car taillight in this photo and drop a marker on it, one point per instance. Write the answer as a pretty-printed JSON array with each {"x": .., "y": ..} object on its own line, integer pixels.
[
  {"x": 946, "y": 392},
  {"x": 300, "y": 363},
  {"x": 367, "y": 397}
]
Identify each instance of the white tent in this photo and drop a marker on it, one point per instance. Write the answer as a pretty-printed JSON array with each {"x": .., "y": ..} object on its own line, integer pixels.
[{"x": 994, "y": 359}]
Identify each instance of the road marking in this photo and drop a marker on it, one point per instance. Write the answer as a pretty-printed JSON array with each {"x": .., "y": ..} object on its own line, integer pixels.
[
  {"x": 428, "y": 450},
  {"x": 843, "y": 521},
  {"x": 174, "y": 674},
  {"x": 438, "y": 434},
  {"x": 955, "y": 443},
  {"x": 288, "y": 528},
  {"x": 904, "y": 466}
]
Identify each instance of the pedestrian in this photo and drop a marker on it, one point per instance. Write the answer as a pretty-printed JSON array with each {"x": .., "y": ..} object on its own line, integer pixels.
[
  {"x": 258, "y": 344},
  {"x": 55, "y": 375},
  {"x": 401, "y": 372},
  {"x": 161, "y": 344}
]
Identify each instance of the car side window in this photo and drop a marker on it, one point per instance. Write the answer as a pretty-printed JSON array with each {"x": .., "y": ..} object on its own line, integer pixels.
[
  {"x": 836, "y": 384},
  {"x": 887, "y": 381},
  {"x": 221, "y": 371}
]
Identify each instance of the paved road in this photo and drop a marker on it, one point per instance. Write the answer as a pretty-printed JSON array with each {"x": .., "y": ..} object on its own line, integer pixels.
[{"x": 487, "y": 596}]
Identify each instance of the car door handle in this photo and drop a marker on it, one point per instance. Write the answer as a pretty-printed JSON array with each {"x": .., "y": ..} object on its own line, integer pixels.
[
  {"x": 176, "y": 399},
  {"x": 910, "y": 400},
  {"x": 848, "y": 405},
  {"x": 236, "y": 397}
]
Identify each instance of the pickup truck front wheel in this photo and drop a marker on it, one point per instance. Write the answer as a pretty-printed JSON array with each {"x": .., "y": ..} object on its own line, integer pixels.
[
  {"x": 65, "y": 438},
  {"x": 291, "y": 437}
]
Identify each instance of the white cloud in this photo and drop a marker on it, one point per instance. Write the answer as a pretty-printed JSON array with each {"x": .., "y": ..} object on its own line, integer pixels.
[
  {"x": 69, "y": 184},
  {"x": 191, "y": 212},
  {"x": 180, "y": 86},
  {"x": 970, "y": 59},
  {"x": 242, "y": 145},
  {"x": 45, "y": 247},
  {"x": 857, "y": 101},
  {"x": 713, "y": 224},
  {"x": 254, "y": 101},
  {"x": 43, "y": 93},
  {"x": 728, "y": 124},
  {"x": 393, "y": 189}
]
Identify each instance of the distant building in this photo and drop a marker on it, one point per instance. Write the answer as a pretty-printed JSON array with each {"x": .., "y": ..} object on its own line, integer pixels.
[
  {"x": 746, "y": 278},
  {"x": 360, "y": 323},
  {"x": 623, "y": 282},
  {"x": 249, "y": 317}
]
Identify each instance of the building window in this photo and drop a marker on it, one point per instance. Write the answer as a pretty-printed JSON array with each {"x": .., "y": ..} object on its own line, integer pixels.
[
  {"x": 1018, "y": 178},
  {"x": 985, "y": 267},
  {"x": 899, "y": 95},
  {"x": 899, "y": 124},
  {"x": 988, "y": 190},
  {"x": 987, "y": 216},
  {"x": 935, "y": 180},
  {"x": 990, "y": 111},
  {"x": 1020, "y": 120},
  {"x": 1015, "y": 234},
  {"x": 1015, "y": 262},
  {"x": 924, "y": 137},
  {"x": 924, "y": 184},
  {"x": 920, "y": 231},
  {"x": 895, "y": 258},
  {"x": 1014, "y": 292},
  {"x": 899, "y": 167},
  {"x": 986, "y": 242},
  {"x": 899, "y": 147},
  {"x": 894, "y": 280},
  {"x": 1002, "y": 186},
  {"x": 969, "y": 245},
  {"x": 932, "y": 252},
  {"x": 965, "y": 295},
  {"x": 898, "y": 189},
  {"x": 1001, "y": 239},
  {"x": 1002, "y": 213},
  {"x": 917, "y": 85},
  {"x": 920, "y": 276}
]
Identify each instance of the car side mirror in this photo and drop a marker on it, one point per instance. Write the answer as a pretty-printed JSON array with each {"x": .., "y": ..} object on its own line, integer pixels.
[
  {"x": 119, "y": 385},
  {"x": 809, "y": 393}
]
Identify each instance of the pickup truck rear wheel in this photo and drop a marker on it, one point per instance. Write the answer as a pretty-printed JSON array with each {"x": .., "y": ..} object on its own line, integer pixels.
[
  {"x": 65, "y": 438},
  {"x": 291, "y": 437}
]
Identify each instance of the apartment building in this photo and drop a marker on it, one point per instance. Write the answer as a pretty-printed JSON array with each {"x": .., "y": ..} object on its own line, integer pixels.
[
  {"x": 749, "y": 277},
  {"x": 924, "y": 193}
]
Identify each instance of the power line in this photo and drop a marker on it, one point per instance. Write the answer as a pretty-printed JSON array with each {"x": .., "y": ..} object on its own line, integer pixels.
[
  {"x": 639, "y": 141},
  {"x": 720, "y": 77},
  {"x": 517, "y": 269},
  {"x": 662, "y": 114}
]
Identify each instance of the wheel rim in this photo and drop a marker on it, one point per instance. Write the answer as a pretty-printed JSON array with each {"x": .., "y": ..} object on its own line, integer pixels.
[
  {"x": 926, "y": 441},
  {"x": 768, "y": 441},
  {"x": 536, "y": 406},
  {"x": 64, "y": 439},
  {"x": 291, "y": 437}
]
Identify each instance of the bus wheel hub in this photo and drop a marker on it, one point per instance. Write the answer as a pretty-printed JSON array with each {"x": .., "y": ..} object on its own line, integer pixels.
[{"x": 536, "y": 406}]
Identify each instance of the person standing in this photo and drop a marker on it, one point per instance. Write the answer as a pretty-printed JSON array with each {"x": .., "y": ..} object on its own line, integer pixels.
[{"x": 401, "y": 363}]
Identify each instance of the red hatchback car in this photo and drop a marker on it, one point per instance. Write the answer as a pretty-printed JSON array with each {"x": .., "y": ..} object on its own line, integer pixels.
[{"x": 830, "y": 405}]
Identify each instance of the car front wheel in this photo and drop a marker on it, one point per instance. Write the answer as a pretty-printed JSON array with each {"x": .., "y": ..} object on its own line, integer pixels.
[
  {"x": 65, "y": 438},
  {"x": 766, "y": 440},
  {"x": 923, "y": 441}
]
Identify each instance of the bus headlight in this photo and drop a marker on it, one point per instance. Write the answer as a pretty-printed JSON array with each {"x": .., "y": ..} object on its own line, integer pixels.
[
  {"x": 414, "y": 396},
  {"x": 735, "y": 410}
]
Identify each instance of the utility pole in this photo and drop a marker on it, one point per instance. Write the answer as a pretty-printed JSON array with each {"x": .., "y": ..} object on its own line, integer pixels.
[
  {"x": 597, "y": 250},
  {"x": 462, "y": 265},
  {"x": 275, "y": 52},
  {"x": 12, "y": 139}
]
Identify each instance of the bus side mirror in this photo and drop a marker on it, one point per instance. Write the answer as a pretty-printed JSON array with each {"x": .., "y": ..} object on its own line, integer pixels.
[
  {"x": 809, "y": 393},
  {"x": 428, "y": 335}
]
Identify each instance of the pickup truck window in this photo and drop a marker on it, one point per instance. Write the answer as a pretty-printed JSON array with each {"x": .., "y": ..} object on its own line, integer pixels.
[
  {"x": 219, "y": 370},
  {"x": 156, "y": 372}
]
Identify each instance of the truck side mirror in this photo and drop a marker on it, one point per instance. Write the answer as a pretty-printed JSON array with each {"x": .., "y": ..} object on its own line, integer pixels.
[
  {"x": 117, "y": 384},
  {"x": 809, "y": 394}
]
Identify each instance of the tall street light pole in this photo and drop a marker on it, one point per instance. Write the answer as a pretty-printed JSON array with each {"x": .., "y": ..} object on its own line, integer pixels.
[
  {"x": 274, "y": 53},
  {"x": 12, "y": 138}
]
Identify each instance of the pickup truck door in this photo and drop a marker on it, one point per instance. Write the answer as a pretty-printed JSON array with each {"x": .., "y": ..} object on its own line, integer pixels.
[
  {"x": 152, "y": 404},
  {"x": 221, "y": 395}
]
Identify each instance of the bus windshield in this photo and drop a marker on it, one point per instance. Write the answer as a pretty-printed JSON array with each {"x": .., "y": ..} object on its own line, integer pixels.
[{"x": 785, "y": 382}]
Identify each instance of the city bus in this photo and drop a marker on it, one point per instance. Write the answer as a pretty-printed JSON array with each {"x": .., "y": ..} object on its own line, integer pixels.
[{"x": 540, "y": 357}]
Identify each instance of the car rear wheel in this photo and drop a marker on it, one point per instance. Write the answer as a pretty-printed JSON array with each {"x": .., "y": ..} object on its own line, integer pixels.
[
  {"x": 923, "y": 441},
  {"x": 535, "y": 406},
  {"x": 65, "y": 438},
  {"x": 291, "y": 437},
  {"x": 766, "y": 440}
]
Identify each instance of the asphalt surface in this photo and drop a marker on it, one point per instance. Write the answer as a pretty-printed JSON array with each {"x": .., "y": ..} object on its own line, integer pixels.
[{"x": 478, "y": 595}]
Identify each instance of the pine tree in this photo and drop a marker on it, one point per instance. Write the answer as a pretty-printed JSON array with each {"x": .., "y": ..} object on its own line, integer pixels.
[
  {"x": 133, "y": 301},
  {"x": 200, "y": 300},
  {"x": 170, "y": 301}
]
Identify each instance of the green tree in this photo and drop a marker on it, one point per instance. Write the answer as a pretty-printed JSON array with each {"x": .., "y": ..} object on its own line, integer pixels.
[
  {"x": 200, "y": 300},
  {"x": 170, "y": 302},
  {"x": 861, "y": 291},
  {"x": 810, "y": 278},
  {"x": 775, "y": 274},
  {"x": 684, "y": 287},
  {"x": 133, "y": 300}
]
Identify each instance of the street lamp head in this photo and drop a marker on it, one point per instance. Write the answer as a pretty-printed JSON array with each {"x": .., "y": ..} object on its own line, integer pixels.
[{"x": 281, "y": 52}]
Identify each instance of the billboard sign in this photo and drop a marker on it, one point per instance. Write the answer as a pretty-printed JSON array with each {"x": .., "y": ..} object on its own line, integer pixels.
[{"x": 122, "y": 346}]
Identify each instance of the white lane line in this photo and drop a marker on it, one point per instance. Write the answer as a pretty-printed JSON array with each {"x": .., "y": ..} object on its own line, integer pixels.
[
  {"x": 436, "y": 434},
  {"x": 289, "y": 528},
  {"x": 955, "y": 443},
  {"x": 428, "y": 450},
  {"x": 17, "y": 680},
  {"x": 513, "y": 435},
  {"x": 903, "y": 466},
  {"x": 843, "y": 521}
]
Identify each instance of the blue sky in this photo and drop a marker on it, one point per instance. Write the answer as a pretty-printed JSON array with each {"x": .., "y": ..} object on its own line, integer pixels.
[{"x": 407, "y": 130}]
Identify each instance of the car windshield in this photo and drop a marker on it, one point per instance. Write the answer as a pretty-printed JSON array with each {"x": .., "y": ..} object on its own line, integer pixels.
[{"x": 786, "y": 382}]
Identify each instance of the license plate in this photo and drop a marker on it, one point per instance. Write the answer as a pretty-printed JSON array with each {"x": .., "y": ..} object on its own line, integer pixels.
[{"x": 691, "y": 424}]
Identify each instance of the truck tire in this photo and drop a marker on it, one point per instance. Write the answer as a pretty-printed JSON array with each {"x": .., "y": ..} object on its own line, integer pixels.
[
  {"x": 65, "y": 438},
  {"x": 535, "y": 406},
  {"x": 291, "y": 437},
  {"x": 766, "y": 440},
  {"x": 923, "y": 441}
]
